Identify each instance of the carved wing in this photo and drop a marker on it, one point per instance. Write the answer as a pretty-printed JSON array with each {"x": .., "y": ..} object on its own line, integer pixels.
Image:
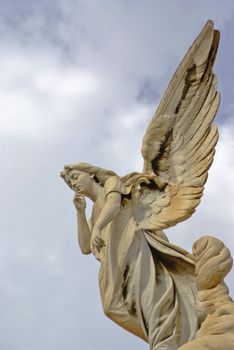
[{"x": 178, "y": 146}]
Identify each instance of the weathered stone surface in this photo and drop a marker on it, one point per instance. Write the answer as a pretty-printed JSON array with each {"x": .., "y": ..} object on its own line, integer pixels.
[{"x": 150, "y": 287}]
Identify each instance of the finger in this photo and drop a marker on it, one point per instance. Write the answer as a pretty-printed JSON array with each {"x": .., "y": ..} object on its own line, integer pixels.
[
  {"x": 78, "y": 194},
  {"x": 80, "y": 200},
  {"x": 96, "y": 241},
  {"x": 100, "y": 242},
  {"x": 79, "y": 197},
  {"x": 96, "y": 246}
]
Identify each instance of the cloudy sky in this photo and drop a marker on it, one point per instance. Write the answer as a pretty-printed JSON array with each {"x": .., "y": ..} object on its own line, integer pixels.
[{"x": 80, "y": 81}]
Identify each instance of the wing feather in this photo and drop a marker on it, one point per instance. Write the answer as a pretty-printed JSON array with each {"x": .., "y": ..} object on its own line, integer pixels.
[{"x": 179, "y": 143}]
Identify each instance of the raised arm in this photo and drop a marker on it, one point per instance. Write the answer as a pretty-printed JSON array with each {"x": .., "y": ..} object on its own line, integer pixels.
[{"x": 84, "y": 234}]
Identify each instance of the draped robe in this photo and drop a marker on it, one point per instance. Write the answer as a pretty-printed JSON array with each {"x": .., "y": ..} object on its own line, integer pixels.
[{"x": 147, "y": 285}]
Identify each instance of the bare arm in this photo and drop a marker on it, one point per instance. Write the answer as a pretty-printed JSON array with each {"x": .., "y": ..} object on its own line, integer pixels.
[
  {"x": 110, "y": 209},
  {"x": 84, "y": 234}
]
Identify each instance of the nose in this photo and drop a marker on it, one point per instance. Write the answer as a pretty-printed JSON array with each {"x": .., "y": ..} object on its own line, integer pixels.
[{"x": 72, "y": 183}]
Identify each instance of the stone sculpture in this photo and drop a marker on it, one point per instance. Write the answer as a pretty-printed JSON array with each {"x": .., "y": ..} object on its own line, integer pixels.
[{"x": 150, "y": 287}]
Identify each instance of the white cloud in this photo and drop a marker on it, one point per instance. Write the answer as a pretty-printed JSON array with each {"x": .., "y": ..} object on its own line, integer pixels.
[
  {"x": 39, "y": 93},
  {"x": 64, "y": 83},
  {"x": 71, "y": 77}
]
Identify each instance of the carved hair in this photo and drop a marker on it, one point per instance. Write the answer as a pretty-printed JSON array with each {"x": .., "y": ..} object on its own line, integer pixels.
[{"x": 100, "y": 175}]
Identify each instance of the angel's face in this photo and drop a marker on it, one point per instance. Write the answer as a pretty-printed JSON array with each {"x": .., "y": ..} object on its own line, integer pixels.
[{"x": 79, "y": 181}]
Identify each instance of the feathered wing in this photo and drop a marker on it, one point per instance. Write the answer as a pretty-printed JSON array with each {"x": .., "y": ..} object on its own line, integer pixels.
[{"x": 178, "y": 146}]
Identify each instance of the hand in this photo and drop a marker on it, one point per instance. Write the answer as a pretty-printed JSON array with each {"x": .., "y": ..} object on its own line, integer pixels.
[
  {"x": 79, "y": 201},
  {"x": 96, "y": 240}
]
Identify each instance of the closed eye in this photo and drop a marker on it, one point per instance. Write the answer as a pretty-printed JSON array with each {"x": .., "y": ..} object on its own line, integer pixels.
[{"x": 74, "y": 176}]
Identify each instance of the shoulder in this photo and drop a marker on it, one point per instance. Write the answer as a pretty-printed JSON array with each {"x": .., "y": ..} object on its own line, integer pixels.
[{"x": 114, "y": 184}]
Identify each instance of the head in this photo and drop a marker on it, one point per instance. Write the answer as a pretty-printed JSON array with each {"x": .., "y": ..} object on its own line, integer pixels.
[{"x": 81, "y": 176}]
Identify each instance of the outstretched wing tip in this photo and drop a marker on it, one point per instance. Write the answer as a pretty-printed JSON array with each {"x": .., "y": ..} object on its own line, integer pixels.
[
  {"x": 184, "y": 151},
  {"x": 209, "y": 23}
]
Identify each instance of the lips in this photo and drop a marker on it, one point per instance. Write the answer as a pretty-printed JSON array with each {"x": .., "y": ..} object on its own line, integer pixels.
[{"x": 77, "y": 188}]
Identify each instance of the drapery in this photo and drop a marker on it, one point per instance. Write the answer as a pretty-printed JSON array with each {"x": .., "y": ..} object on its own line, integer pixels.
[{"x": 147, "y": 285}]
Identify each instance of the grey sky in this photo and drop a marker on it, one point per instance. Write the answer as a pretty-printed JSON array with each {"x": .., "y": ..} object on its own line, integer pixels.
[{"x": 80, "y": 80}]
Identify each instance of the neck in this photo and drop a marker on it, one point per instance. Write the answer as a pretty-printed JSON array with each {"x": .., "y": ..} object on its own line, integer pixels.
[{"x": 94, "y": 192}]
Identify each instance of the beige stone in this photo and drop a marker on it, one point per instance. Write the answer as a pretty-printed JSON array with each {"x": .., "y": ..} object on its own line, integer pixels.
[{"x": 150, "y": 287}]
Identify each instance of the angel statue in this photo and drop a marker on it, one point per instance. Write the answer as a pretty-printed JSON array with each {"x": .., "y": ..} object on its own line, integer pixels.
[{"x": 159, "y": 292}]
